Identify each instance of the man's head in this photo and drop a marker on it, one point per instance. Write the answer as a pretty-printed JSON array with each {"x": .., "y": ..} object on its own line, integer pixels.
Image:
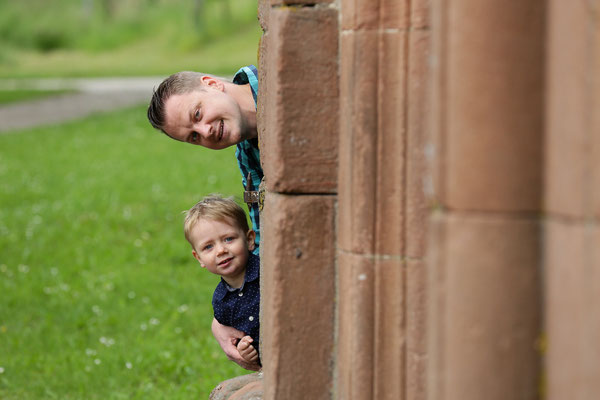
[
  {"x": 221, "y": 241},
  {"x": 200, "y": 109}
]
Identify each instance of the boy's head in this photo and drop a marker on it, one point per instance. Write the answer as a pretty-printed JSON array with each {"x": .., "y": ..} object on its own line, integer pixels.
[{"x": 221, "y": 240}]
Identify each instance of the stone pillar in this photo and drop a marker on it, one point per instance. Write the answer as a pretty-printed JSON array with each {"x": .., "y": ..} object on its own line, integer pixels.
[
  {"x": 572, "y": 249},
  {"x": 381, "y": 213},
  {"x": 298, "y": 135},
  {"x": 486, "y": 159}
]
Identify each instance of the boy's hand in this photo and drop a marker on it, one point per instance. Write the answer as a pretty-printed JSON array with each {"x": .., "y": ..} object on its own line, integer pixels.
[
  {"x": 228, "y": 337},
  {"x": 247, "y": 351}
]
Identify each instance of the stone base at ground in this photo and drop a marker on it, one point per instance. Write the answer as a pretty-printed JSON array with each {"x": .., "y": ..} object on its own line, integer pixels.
[{"x": 245, "y": 387}]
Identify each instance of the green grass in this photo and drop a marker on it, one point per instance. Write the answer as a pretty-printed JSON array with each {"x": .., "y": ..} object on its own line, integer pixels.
[
  {"x": 11, "y": 96},
  {"x": 100, "y": 297}
]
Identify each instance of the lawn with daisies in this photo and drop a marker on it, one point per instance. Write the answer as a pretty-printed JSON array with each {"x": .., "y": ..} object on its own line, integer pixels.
[{"x": 100, "y": 297}]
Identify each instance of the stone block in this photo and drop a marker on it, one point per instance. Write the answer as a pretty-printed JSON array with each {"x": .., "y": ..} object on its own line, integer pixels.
[
  {"x": 244, "y": 387},
  {"x": 492, "y": 105},
  {"x": 485, "y": 304},
  {"x": 374, "y": 15},
  {"x": 358, "y": 141},
  {"x": 356, "y": 336},
  {"x": 569, "y": 112},
  {"x": 299, "y": 139},
  {"x": 299, "y": 3},
  {"x": 420, "y": 14},
  {"x": 264, "y": 7},
  {"x": 372, "y": 162},
  {"x": 371, "y": 335},
  {"x": 572, "y": 305},
  {"x": 417, "y": 208},
  {"x": 416, "y": 306},
  {"x": 298, "y": 272}
]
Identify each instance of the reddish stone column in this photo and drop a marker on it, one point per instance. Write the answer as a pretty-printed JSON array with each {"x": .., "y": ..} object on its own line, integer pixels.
[
  {"x": 298, "y": 135},
  {"x": 381, "y": 213},
  {"x": 572, "y": 248},
  {"x": 486, "y": 152}
]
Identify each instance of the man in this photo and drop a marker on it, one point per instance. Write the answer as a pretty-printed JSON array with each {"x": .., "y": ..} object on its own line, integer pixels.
[{"x": 214, "y": 113}]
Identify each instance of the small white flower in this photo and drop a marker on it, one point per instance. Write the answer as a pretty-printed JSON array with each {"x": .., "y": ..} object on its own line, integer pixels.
[
  {"x": 107, "y": 341},
  {"x": 54, "y": 271},
  {"x": 182, "y": 308},
  {"x": 97, "y": 361},
  {"x": 131, "y": 295},
  {"x": 154, "y": 321},
  {"x": 23, "y": 268},
  {"x": 1, "y": 370},
  {"x": 143, "y": 327},
  {"x": 96, "y": 310},
  {"x": 90, "y": 352},
  {"x": 128, "y": 365}
]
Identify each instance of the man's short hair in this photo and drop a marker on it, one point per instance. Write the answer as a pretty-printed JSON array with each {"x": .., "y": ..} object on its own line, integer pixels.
[
  {"x": 178, "y": 83},
  {"x": 215, "y": 208}
]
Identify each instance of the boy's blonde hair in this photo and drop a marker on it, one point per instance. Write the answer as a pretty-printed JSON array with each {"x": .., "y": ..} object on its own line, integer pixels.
[{"x": 214, "y": 208}]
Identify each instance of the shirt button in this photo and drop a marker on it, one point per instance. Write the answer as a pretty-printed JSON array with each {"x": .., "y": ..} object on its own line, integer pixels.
[
  {"x": 240, "y": 294},
  {"x": 251, "y": 318}
]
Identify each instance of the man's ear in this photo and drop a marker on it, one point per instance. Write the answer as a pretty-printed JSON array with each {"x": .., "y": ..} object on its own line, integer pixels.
[
  {"x": 197, "y": 257},
  {"x": 212, "y": 82},
  {"x": 251, "y": 236}
]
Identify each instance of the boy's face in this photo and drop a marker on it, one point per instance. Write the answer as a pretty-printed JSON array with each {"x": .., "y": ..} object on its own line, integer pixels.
[{"x": 222, "y": 248}]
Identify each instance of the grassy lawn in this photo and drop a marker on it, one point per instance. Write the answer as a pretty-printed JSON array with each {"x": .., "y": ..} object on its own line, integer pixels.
[{"x": 100, "y": 296}]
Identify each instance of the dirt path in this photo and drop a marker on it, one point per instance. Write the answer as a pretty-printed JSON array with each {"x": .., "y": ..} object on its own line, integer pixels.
[{"x": 92, "y": 95}]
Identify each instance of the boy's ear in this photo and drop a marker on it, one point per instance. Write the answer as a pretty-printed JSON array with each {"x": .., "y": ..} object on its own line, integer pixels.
[
  {"x": 212, "y": 82},
  {"x": 197, "y": 257},
  {"x": 251, "y": 236}
]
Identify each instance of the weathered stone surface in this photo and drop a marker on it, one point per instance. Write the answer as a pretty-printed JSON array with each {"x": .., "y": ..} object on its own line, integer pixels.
[
  {"x": 298, "y": 270},
  {"x": 373, "y": 15},
  {"x": 572, "y": 106},
  {"x": 485, "y": 292},
  {"x": 371, "y": 341},
  {"x": 573, "y": 308},
  {"x": 492, "y": 104},
  {"x": 299, "y": 139},
  {"x": 245, "y": 387}
]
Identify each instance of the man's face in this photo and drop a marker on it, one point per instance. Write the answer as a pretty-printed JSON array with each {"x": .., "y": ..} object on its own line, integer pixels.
[
  {"x": 222, "y": 248},
  {"x": 210, "y": 118}
]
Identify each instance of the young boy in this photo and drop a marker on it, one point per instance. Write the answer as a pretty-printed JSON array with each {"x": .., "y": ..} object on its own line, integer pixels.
[{"x": 221, "y": 241}]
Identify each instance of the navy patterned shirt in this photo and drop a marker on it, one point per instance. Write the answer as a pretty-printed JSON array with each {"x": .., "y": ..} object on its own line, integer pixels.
[
  {"x": 240, "y": 307},
  {"x": 247, "y": 152}
]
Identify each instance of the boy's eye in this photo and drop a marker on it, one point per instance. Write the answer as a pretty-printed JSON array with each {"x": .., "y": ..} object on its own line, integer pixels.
[
  {"x": 194, "y": 136},
  {"x": 197, "y": 115},
  {"x": 229, "y": 239},
  {"x": 207, "y": 247}
]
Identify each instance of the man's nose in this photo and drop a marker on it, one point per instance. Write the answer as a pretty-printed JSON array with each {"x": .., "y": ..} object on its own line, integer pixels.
[{"x": 205, "y": 130}]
